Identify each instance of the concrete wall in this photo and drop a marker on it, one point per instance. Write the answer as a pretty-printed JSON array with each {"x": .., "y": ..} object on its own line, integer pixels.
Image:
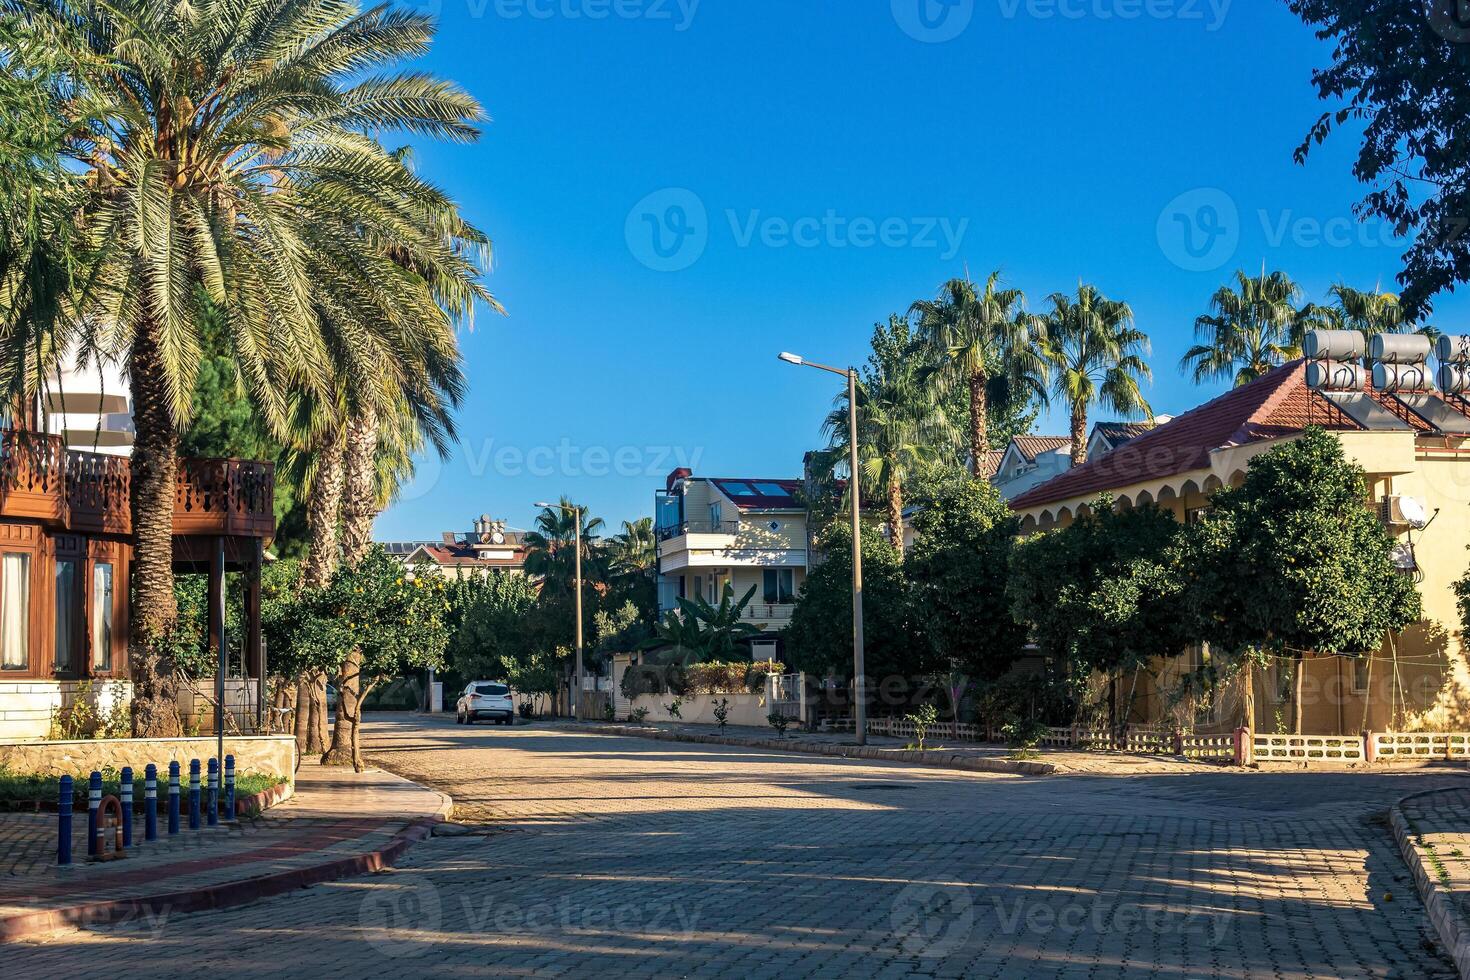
[
  {"x": 196, "y": 705},
  {"x": 698, "y": 709},
  {"x": 268, "y": 754},
  {"x": 27, "y": 707}
]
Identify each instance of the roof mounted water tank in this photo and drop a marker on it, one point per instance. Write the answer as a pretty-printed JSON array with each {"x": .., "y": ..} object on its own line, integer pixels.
[
  {"x": 1334, "y": 376},
  {"x": 1334, "y": 345},
  {"x": 1399, "y": 348}
]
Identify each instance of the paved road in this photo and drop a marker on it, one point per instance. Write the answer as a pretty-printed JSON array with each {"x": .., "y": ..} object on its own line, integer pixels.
[{"x": 631, "y": 858}]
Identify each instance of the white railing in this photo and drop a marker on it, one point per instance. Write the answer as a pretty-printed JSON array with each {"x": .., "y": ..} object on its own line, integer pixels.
[
  {"x": 1421, "y": 745},
  {"x": 1308, "y": 748},
  {"x": 1209, "y": 747}
]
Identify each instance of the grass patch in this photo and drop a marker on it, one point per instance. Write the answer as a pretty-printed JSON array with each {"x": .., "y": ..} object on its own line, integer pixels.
[{"x": 25, "y": 791}]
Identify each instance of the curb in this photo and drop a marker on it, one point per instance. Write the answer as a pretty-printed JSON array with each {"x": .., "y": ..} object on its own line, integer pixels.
[
  {"x": 934, "y": 760},
  {"x": 225, "y": 894},
  {"x": 1439, "y": 902},
  {"x": 264, "y": 800}
]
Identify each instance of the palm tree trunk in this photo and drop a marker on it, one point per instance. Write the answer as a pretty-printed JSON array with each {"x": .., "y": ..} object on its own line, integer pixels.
[
  {"x": 979, "y": 438},
  {"x": 1248, "y": 688},
  {"x": 895, "y": 513},
  {"x": 359, "y": 507},
  {"x": 321, "y": 561},
  {"x": 1079, "y": 435},
  {"x": 152, "y": 607},
  {"x": 1299, "y": 672}
]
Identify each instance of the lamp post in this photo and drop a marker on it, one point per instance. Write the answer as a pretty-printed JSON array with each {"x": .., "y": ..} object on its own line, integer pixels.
[
  {"x": 860, "y": 705},
  {"x": 576, "y": 513}
]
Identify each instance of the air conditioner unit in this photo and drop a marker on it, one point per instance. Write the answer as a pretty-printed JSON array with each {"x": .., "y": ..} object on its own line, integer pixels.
[{"x": 1401, "y": 511}]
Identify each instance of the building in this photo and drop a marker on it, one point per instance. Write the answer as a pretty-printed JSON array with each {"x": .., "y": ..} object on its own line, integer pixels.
[
  {"x": 89, "y": 408},
  {"x": 1107, "y": 436},
  {"x": 488, "y": 546},
  {"x": 65, "y": 556},
  {"x": 741, "y": 532},
  {"x": 1413, "y": 448},
  {"x": 1029, "y": 461}
]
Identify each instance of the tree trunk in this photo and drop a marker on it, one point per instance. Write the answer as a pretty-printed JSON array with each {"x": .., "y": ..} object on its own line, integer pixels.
[
  {"x": 322, "y": 511},
  {"x": 154, "y": 474},
  {"x": 1248, "y": 686},
  {"x": 1298, "y": 674},
  {"x": 895, "y": 514},
  {"x": 311, "y": 713},
  {"x": 1079, "y": 435},
  {"x": 979, "y": 438},
  {"x": 359, "y": 507}
]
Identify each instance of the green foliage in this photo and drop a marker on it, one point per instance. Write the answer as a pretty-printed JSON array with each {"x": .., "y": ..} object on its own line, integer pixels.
[
  {"x": 701, "y": 631},
  {"x": 926, "y": 716},
  {"x": 957, "y": 572},
  {"x": 819, "y": 639},
  {"x": 84, "y": 717},
  {"x": 488, "y": 615},
  {"x": 621, "y": 629},
  {"x": 1251, "y": 329},
  {"x": 721, "y": 711},
  {"x": 674, "y": 707},
  {"x": 1401, "y": 76},
  {"x": 1295, "y": 559},
  {"x": 638, "y": 715},
  {"x": 778, "y": 721},
  {"x": 1096, "y": 355}
]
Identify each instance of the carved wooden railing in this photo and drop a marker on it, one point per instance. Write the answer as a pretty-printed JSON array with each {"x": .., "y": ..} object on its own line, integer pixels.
[
  {"x": 97, "y": 493},
  {"x": 225, "y": 496},
  {"x": 32, "y": 475}
]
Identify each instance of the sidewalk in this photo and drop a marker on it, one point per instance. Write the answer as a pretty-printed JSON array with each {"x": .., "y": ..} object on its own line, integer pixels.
[
  {"x": 938, "y": 752},
  {"x": 338, "y": 823},
  {"x": 1433, "y": 833}
]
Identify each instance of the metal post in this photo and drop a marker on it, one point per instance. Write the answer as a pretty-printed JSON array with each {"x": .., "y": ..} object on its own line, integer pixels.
[
  {"x": 173, "y": 798},
  {"x": 194, "y": 794},
  {"x": 217, "y": 617},
  {"x": 577, "y": 683},
  {"x": 125, "y": 797},
  {"x": 94, "y": 799},
  {"x": 212, "y": 811},
  {"x": 63, "y": 822},
  {"x": 150, "y": 802},
  {"x": 860, "y": 717},
  {"x": 229, "y": 788}
]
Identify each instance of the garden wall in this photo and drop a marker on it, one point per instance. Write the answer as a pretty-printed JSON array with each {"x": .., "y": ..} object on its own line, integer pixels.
[
  {"x": 267, "y": 754},
  {"x": 27, "y": 707},
  {"x": 699, "y": 709}
]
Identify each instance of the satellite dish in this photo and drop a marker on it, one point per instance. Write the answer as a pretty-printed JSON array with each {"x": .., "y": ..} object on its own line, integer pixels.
[
  {"x": 1413, "y": 510},
  {"x": 497, "y": 538}
]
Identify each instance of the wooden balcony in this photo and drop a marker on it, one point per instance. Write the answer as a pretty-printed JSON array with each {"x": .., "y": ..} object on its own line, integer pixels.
[
  {"x": 88, "y": 493},
  {"x": 32, "y": 470},
  {"x": 225, "y": 496}
]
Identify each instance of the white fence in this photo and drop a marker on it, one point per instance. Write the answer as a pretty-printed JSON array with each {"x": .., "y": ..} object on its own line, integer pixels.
[
  {"x": 1308, "y": 748},
  {"x": 1420, "y": 745}
]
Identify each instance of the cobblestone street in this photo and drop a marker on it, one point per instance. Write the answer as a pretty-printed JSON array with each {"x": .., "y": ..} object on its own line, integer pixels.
[{"x": 598, "y": 856}]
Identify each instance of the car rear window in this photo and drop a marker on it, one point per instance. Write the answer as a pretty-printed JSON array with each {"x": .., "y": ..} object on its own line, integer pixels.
[{"x": 491, "y": 689}]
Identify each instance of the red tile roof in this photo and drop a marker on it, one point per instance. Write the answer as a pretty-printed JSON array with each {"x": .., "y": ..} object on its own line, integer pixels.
[
  {"x": 990, "y": 463},
  {"x": 462, "y": 554},
  {"x": 1276, "y": 405},
  {"x": 1033, "y": 446}
]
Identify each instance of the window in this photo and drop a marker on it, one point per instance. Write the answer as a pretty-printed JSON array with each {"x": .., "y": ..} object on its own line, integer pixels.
[
  {"x": 714, "y": 516},
  {"x": 1193, "y": 515},
  {"x": 771, "y": 489},
  {"x": 737, "y": 489},
  {"x": 1360, "y": 674},
  {"x": 491, "y": 690},
  {"x": 66, "y": 614},
  {"x": 102, "y": 616},
  {"x": 15, "y": 611},
  {"x": 779, "y": 585}
]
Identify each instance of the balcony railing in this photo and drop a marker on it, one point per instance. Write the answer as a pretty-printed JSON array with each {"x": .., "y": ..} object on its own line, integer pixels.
[
  {"x": 225, "y": 496},
  {"x": 32, "y": 475},
  {"x": 697, "y": 527},
  {"x": 769, "y": 610},
  {"x": 90, "y": 492},
  {"x": 97, "y": 493}
]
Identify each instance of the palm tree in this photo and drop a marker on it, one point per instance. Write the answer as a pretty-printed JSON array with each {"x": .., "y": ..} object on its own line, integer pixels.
[
  {"x": 551, "y": 551},
  {"x": 1096, "y": 355},
  {"x": 1369, "y": 311},
  {"x": 980, "y": 339},
  {"x": 234, "y": 170},
  {"x": 635, "y": 550},
  {"x": 902, "y": 428},
  {"x": 1252, "y": 329}
]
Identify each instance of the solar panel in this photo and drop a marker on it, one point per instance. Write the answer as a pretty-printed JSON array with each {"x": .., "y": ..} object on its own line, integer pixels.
[
  {"x": 1365, "y": 411},
  {"x": 1437, "y": 412}
]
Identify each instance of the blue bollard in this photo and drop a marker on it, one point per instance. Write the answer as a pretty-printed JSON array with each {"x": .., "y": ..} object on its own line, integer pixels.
[
  {"x": 230, "y": 788},
  {"x": 63, "y": 822},
  {"x": 213, "y": 811},
  {"x": 94, "y": 800},
  {"x": 125, "y": 798},
  {"x": 173, "y": 797},
  {"x": 193, "y": 794},
  {"x": 150, "y": 802}
]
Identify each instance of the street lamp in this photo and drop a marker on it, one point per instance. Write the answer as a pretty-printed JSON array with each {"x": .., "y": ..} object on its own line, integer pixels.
[
  {"x": 576, "y": 512},
  {"x": 860, "y": 707}
]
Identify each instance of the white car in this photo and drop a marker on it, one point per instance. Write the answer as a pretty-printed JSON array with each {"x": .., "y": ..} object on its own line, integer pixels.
[{"x": 485, "y": 699}]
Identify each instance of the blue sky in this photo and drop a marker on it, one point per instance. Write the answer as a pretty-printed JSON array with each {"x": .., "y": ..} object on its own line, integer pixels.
[{"x": 810, "y": 166}]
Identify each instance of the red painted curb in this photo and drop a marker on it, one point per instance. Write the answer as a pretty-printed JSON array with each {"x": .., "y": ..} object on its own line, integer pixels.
[
  {"x": 263, "y": 800},
  {"x": 219, "y": 896}
]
